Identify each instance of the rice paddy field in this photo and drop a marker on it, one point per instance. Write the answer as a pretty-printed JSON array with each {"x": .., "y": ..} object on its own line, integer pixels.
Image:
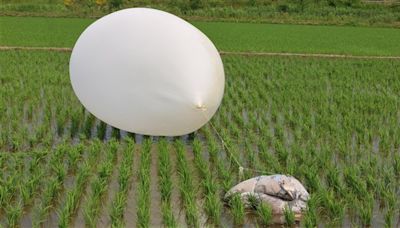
[{"x": 333, "y": 123}]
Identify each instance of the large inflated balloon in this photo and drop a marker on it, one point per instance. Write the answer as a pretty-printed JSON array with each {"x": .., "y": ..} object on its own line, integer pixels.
[{"x": 147, "y": 71}]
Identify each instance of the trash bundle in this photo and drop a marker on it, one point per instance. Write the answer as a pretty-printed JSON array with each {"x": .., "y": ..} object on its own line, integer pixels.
[{"x": 280, "y": 192}]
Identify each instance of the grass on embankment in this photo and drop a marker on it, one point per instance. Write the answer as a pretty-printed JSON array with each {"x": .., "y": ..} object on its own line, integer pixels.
[{"x": 63, "y": 32}]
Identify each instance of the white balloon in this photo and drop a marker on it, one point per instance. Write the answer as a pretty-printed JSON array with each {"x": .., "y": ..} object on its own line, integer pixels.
[{"x": 147, "y": 71}]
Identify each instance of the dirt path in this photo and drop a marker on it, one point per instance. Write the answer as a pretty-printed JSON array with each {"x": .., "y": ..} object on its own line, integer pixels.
[
  {"x": 14, "y": 48},
  {"x": 240, "y": 53},
  {"x": 316, "y": 55}
]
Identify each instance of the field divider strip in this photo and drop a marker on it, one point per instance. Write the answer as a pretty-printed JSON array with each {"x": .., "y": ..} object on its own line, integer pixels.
[
  {"x": 240, "y": 53},
  {"x": 318, "y": 55},
  {"x": 17, "y": 48}
]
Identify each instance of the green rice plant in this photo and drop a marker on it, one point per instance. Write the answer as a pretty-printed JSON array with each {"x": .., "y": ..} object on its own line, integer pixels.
[
  {"x": 100, "y": 184},
  {"x": 117, "y": 209},
  {"x": 99, "y": 187},
  {"x": 213, "y": 207},
  {"x": 74, "y": 156},
  {"x": 354, "y": 182},
  {"x": 333, "y": 180},
  {"x": 75, "y": 122},
  {"x": 164, "y": 171},
  {"x": 115, "y": 133},
  {"x": 389, "y": 215},
  {"x": 237, "y": 209},
  {"x": 186, "y": 188},
  {"x": 13, "y": 214},
  {"x": 334, "y": 207},
  {"x": 32, "y": 181},
  {"x": 313, "y": 206},
  {"x": 101, "y": 130},
  {"x": 389, "y": 197},
  {"x": 396, "y": 165},
  {"x": 289, "y": 216},
  {"x": 88, "y": 125},
  {"x": 124, "y": 179},
  {"x": 168, "y": 215},
  {"x": 61, "y": 123},
  {"x": 366, "y": 210},
  {"x": 49, "y": 194},
  {"x": 253, "y": 201},
  {"x": 312, "y": 179},
  {"x": 53, "y": 184},
  {"x": 310, "y": 219},
  {"x": 264, "y": 212},
  {"x": 210, "y": 186},
  {"x": 143, "y": 210},
  {"x": 8, "y": 187},
  {"x": 94, "y": 151},
  {"x": 165, "y": 183},
  {"x": 73, "y": 196},
  {"x": 29, "y": 186}
]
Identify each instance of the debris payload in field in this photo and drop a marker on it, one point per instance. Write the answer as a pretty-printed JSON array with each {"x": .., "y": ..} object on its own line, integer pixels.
[{"x": 280, "y": 192}]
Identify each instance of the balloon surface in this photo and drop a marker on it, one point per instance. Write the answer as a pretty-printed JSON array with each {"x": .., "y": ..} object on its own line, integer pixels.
[{"x": 148, "y": 72}]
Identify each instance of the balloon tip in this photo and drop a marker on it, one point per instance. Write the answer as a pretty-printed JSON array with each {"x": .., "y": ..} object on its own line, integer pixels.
[{"x": 201, "y": 107}]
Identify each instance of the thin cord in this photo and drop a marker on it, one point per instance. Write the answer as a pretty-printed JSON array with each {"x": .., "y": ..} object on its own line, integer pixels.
[{"x": 224, "y": 144}]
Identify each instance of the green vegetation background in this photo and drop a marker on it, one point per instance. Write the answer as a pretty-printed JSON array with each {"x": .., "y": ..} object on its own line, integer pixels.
[
  {"x": 245, "y": 37},
  {"x": 336, "y": 12}
]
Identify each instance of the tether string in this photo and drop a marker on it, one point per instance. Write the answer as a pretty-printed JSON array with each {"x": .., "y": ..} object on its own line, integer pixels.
[{"x": 225, "y": 145}]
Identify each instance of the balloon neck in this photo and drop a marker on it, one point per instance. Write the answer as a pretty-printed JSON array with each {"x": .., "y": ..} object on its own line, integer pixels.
[{"x": 201, "y": 107}]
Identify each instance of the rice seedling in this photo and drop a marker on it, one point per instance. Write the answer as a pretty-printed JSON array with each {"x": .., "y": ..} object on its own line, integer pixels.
[
  {"x": 124, "y": 179},
  {"x": 32, "y": 181},
  {"x": 74, "y": 195},
  {"x": 115, "y": 133},
  {"x": 75, "y": 122},
  {"x": 168, "y": 216},
  {"x": 143, "y": 210},
  {"x": 210, "y": 186},
  {"x": 354, "y": 182},
  {"x": 101, "y": 130},
  {"x": 53, "y": 184},
  {"x": 186, "y": 186},
  {"x": 333, "y": 180},
  {"x": 99, "y": 185},
  {"x": 213, "y": 207},
  {"x": 49, "y": 195},
  {"x": 164, "y": 173},
  {"x": 264, "y": 212},
  {"x": 366, "y": 209},
  {"x": 289, "y": 216},
  {"x": 13, "y": 214},
  {"x": 388, "y": 217},
  {"x": 334, "y": 207},
  {"x": 88, "y": 125},
  {"x": 237, "y": 209},
  {"x": 8, "y": 189}
]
